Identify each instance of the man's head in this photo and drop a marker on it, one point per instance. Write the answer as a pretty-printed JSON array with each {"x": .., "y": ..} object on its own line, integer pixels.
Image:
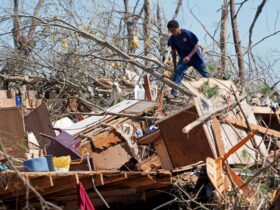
[{"x": 173, "y": 27}]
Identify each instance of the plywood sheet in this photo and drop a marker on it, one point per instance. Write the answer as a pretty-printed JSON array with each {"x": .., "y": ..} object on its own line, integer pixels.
[
  {"x": 184, "y": 149},
  {"x": 112, "y": 158},
  {"x": 12, "y": 132},
  {"x": 38, "y": 121}
]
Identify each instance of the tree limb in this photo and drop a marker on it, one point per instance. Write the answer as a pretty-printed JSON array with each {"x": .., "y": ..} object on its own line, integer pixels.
[{"x": 207, "y": 116}]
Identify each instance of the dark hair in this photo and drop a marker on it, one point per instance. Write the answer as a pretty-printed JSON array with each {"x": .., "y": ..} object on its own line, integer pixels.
[{"x": 173, "y": 24}]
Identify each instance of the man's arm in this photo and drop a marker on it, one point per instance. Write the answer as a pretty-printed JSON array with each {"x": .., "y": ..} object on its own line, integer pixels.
[
  {"x": 189, "y": 56},
  {"x": 173, "y": 54}
]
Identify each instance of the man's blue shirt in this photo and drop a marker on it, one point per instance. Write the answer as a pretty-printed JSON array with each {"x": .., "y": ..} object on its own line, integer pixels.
[{"x": 184, "y": 43}]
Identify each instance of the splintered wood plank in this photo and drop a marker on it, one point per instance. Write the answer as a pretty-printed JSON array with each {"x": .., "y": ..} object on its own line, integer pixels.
[
  {"x": 147, "y": 87},
  {"x": 151, "y": 163},
  {"x": 218, "y": 135},
  {"x": 141, "y": 107},
  {"x": 105, "y": 140}
]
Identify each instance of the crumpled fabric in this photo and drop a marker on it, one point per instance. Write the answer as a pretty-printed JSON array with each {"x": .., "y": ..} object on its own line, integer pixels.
[{"x": 84, "y": 201}]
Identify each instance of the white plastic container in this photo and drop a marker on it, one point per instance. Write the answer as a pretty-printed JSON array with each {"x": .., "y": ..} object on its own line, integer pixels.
[
  {"x": 139, "y": 92},
  {"x": 154, "y": 92}
]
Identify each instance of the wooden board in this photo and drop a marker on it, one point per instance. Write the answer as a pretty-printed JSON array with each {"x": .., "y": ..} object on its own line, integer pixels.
[
  {"x": 216, "y": 126},
  {"x": 7, "y": 102},
  {"x": 12, "y": 132},
  {"x": 184, "y": 149},
  {"x": 163, "y": 154},
  {"x": 150, "y": 138},
  {"x": 141, "y": 107},
  {"x": 263, "y": 110},
  {"x": 259, "y": 129},
  {"x": 112, "y": 158}
]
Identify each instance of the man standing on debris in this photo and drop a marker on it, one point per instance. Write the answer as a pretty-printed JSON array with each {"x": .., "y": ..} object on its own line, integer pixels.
[{"x": 186, "y": 45}]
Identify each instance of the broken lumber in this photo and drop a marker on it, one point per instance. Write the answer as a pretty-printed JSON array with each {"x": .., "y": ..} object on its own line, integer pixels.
[
  {"x": 152, "y": 163},
  {"x": 147, "y": 88},
  {"x": 150, "y": 138},
  {"x": 258, "y": 128},
  {"x": 217, "y": 131},
  {"x": 263, "y": 110},
  {"x": 223, "y": 180}
]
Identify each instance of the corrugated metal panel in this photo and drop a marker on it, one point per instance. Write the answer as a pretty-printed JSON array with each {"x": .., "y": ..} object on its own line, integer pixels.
[{"x": 88, "y": 122}]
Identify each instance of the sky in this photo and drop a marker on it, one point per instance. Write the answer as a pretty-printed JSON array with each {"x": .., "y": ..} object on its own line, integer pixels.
[
  {"x": 208, "y": 11},
  {"x": 209, "y": 14}
]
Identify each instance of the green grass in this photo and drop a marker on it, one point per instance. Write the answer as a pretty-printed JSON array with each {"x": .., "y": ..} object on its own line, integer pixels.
[
  {"x": 265, "y": 90},
  {"x": 208, "y": 91}
]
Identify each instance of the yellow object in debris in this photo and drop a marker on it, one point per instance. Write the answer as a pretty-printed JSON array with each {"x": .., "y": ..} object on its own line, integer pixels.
[
  {"x": 65, "y": 44},
  {"x": 116, "y": 65},
  {"x": 135, "y": 42},
  {"x": 62, "y": 164}
]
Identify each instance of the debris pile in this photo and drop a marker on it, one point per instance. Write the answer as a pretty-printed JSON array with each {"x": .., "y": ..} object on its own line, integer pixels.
[{"x": 134, "y": 148}]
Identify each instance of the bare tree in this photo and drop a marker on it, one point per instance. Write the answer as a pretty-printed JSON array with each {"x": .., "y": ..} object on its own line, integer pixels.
[
  {"x": 178, "y": 6},
  {"x": 237, "y": 42},
  {"x": 223, "y": 37},
  {"x": 147, "y": 27},
  {"x": 23, "y": 45}
]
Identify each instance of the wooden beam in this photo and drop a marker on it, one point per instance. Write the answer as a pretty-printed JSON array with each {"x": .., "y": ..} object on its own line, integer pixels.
[
  {"x": 216, "y": 126},
  {"x": 150, "y": 138},
  {"x": 263, "y": 110},
  {"x": 147, "y": 88},
  {"x": 163, "y": 154},
  {"x": 258, "y": 128}
]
